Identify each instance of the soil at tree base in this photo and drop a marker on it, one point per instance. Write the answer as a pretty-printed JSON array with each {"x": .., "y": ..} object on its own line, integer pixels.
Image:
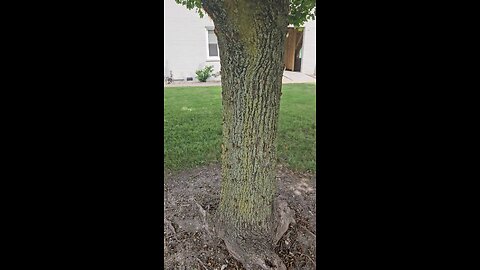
[{"x": 187, "y": 245}]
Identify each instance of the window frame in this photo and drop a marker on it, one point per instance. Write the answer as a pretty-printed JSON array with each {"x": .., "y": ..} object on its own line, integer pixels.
[{"x": 211, "y": 58}]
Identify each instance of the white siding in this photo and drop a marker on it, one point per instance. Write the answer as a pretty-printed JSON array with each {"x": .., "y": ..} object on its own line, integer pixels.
[
  {"x": 309, "y": 48},
  {"x": 185, "y": 41}
]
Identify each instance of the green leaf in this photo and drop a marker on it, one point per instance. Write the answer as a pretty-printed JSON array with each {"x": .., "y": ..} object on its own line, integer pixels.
[{"x": 300, "y": 10}]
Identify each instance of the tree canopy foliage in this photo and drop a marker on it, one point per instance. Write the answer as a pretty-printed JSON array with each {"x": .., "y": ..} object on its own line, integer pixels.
[{"x": 300, "y": 10}]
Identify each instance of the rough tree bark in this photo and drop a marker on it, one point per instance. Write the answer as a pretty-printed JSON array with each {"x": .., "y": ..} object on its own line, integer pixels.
[{"x": 251, "y": 37}]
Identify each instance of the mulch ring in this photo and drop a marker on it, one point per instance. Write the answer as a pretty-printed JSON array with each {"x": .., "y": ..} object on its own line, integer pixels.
[{"x": 188, "y": 246}]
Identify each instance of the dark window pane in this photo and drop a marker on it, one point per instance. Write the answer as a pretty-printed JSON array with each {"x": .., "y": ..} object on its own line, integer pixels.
[{"x": 212, "y": 50}]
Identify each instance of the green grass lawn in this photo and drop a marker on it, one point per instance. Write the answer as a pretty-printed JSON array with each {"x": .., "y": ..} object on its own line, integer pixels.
[{"x": 193, "y": 127}]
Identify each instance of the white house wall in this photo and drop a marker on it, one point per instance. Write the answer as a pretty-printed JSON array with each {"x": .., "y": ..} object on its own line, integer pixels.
[
  {"x": 185, "y": 41},
  {"x": 309, "y": 49}
]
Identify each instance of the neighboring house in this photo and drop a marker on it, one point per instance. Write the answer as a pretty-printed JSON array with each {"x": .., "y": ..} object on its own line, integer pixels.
[{"x": 190, "y": 44}]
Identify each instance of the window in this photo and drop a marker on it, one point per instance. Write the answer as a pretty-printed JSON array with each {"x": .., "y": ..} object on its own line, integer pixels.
[{"x": 212, "y": 45}]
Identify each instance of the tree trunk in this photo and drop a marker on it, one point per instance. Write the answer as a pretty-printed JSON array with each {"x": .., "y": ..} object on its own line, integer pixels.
[{"x": 251, "y": 37}]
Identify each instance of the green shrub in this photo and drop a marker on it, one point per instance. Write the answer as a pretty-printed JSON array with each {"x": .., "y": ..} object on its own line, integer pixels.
[{"x": 205, "y": 73}]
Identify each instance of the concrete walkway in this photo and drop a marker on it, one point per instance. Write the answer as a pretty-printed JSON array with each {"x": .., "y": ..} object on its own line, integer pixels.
[
  {"x": 297, "y": 77},
  {"x": 288, "y": 77}
]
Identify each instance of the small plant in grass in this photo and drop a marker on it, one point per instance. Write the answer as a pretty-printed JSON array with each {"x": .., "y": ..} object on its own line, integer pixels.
[{"x": 205, "y": 73}]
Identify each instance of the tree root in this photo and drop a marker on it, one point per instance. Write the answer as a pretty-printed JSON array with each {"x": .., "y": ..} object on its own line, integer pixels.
[
  {"x": 170, "y": 226},
  {"x": 203, "y": 212},
  {"x": 284, "y": 216},
  {"x": 253, "y": 255},
  {"x": 253, "y": 249}
]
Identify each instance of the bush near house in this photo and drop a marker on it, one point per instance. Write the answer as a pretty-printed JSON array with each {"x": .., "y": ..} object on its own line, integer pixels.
[{"x": 205, "y": 73}]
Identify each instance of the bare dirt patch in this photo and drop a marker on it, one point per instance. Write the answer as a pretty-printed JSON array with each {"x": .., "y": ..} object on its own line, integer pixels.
[{"x": 187, "y": 245}]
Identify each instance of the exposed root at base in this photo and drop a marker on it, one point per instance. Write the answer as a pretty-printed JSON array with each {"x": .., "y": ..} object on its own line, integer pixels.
[
  {"x": 284, "y": 216},
  {"x": 203, "y": 212},
  {"x": 254, "y": 251},
  {"x": 254, "y": 256},
  {"x": 190, "y": 208}
]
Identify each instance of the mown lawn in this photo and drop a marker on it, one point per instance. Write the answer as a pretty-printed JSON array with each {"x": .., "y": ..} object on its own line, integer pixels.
[{"x": 193, "y": 127}]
